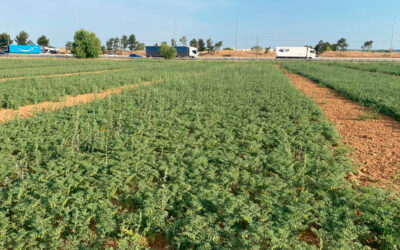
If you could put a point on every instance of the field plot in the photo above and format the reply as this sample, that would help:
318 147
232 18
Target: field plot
53 67
19 92
380 67
217 155
379 91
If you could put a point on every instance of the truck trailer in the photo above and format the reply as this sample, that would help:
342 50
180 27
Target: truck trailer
24 49
295 52
181 51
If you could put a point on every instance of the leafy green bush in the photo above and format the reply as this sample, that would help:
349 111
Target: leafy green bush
86 45
167 51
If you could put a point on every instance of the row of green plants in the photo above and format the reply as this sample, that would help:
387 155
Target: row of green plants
19 63
62 69
19 92
379 67
232 158
379 91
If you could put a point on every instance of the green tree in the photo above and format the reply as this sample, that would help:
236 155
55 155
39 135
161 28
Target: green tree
193 43
124 41
140 46
166 51
132 43
173 42
103 49
342 44
116 44
201 45
22 38
86 44
110 44
367 45
257 48
68 45
210 45
43 41
183 40
5 40
218 45
324 46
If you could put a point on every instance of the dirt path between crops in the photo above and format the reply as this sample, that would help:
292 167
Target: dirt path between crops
63 74
376 142
7 115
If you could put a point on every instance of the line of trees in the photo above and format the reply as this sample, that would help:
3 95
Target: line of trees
22 39
340 45
116 43
209 45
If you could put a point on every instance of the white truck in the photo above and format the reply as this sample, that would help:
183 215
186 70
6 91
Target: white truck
295 52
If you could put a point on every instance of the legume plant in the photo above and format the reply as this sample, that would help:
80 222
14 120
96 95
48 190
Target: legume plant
379 91
230 157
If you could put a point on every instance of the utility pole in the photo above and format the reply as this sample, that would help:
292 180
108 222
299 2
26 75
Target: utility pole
236 37
173 32
257 48
391 43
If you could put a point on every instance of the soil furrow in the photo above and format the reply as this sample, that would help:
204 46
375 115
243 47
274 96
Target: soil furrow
374 138
7 115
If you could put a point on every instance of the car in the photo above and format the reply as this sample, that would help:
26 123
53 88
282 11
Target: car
227 55
3 53
135 56
112 55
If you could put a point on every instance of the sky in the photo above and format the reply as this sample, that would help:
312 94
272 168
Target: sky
271 22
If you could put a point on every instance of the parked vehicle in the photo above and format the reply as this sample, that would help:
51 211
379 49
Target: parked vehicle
112 55
135 56
24 49
51 50
2 53
295 52
181 51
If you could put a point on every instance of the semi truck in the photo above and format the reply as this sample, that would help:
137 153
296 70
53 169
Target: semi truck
181 51
24 49
295 52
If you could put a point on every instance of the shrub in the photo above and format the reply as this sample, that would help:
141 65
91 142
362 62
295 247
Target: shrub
86 44
167 51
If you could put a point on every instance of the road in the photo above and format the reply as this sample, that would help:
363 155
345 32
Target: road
217 58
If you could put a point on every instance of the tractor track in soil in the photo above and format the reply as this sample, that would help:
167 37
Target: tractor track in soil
375 142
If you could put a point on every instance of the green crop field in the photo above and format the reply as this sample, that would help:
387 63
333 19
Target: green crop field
379 91
210 155
380 67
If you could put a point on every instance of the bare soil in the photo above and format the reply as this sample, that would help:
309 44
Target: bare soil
359 54
376 142
7 115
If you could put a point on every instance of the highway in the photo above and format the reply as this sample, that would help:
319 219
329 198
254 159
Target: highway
345 59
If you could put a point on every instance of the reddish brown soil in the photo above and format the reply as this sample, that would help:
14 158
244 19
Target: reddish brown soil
359 54
7 115
376 142
63 74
